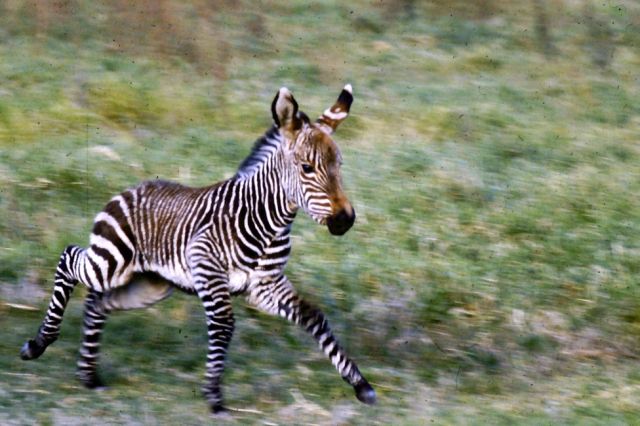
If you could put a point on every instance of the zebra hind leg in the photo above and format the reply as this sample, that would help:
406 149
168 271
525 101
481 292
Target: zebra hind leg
142 291
94 320
64 283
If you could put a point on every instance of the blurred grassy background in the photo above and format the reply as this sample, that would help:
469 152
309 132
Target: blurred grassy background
492 155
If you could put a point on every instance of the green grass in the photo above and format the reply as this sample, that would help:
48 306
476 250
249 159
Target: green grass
491 277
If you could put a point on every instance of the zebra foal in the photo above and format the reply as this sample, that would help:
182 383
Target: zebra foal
231 238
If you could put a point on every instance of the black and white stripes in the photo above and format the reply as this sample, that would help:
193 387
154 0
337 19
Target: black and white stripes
227 239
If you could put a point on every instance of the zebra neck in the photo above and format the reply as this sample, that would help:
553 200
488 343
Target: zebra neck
266 195
262 175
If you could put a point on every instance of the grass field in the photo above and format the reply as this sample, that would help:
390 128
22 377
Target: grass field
491 154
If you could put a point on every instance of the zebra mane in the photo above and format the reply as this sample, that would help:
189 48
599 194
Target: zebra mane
261 151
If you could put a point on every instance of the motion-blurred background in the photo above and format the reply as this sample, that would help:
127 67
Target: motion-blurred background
492 156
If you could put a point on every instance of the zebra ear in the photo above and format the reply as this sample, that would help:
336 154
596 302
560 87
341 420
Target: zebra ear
332 117
284 109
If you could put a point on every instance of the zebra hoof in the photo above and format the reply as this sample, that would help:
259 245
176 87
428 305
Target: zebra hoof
31 350
219 412
365 393
93 383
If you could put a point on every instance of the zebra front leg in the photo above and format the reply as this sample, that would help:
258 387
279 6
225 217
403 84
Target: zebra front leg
213 291
278 297
64 283
142 291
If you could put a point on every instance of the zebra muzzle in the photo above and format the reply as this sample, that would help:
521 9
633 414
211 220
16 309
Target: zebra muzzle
341 222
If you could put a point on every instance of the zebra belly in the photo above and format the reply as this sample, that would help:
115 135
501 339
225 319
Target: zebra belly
240 280
176 276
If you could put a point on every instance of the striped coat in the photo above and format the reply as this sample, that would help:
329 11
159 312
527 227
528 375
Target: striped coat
231 238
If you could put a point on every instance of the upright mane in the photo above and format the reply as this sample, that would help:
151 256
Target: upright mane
261 151
264 148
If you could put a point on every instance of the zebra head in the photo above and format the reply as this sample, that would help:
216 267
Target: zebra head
312 180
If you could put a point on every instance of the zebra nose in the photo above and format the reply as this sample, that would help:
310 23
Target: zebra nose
341 222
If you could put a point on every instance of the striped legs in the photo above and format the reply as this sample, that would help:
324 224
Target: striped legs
278 297
64 283
143 291
213 290
93 322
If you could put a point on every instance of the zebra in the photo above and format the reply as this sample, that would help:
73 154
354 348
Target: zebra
224 240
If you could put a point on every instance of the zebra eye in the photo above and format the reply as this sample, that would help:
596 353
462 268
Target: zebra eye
307 168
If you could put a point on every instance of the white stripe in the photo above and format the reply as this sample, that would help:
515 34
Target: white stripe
335 115
110 220
110 247
102 264
123 205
